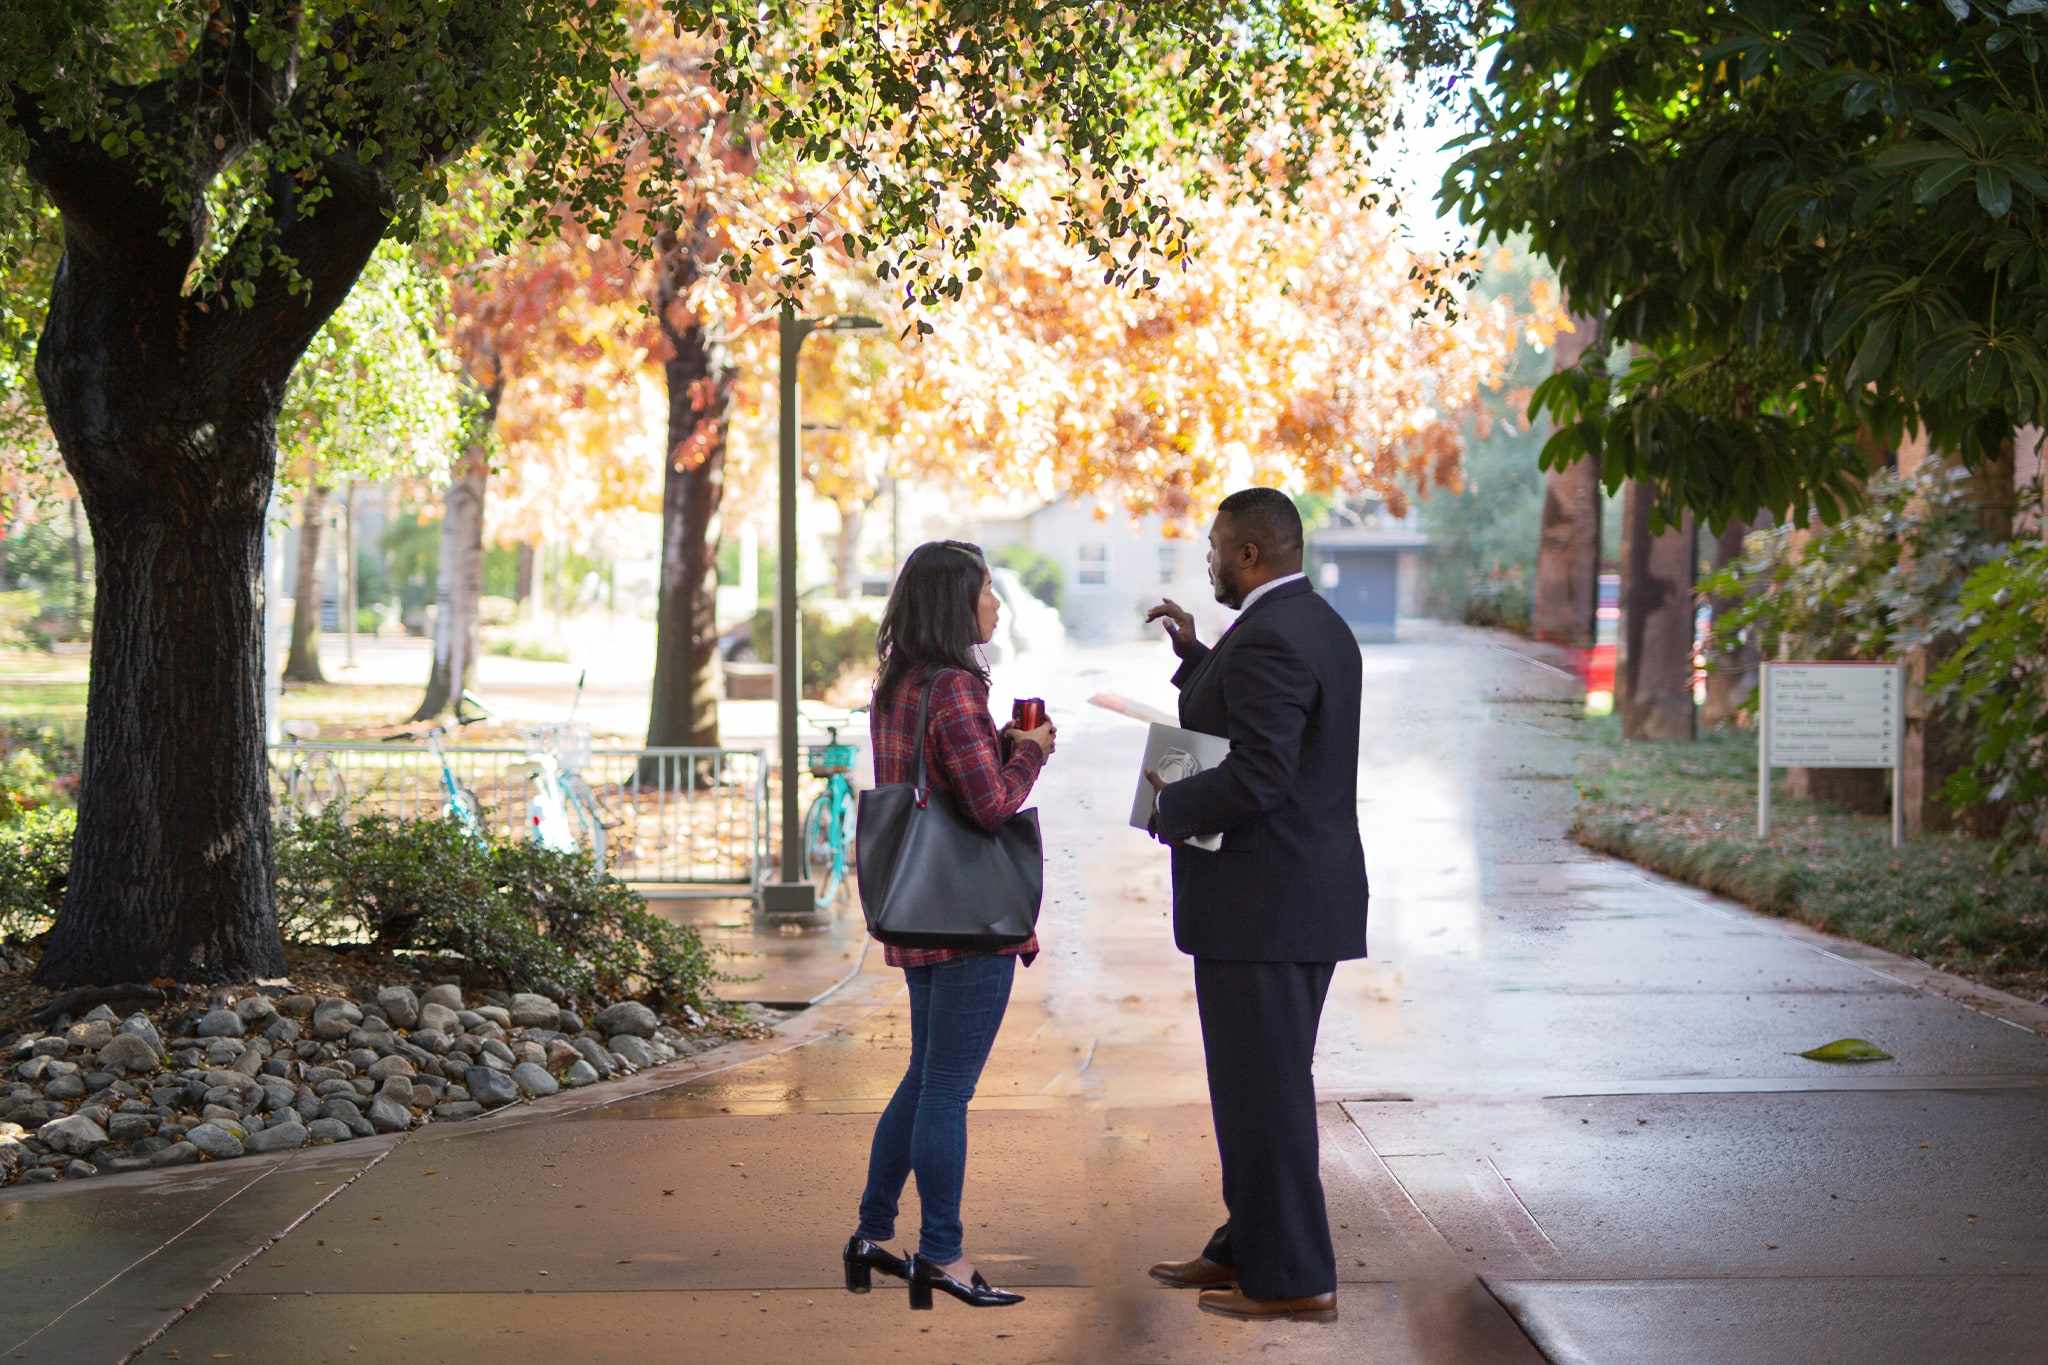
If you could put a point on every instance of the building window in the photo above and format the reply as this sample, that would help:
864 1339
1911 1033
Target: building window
1169 563
1093 568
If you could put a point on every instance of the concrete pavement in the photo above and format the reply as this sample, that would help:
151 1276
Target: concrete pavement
1563 1118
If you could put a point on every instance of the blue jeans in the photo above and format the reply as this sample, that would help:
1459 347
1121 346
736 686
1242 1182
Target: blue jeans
955 1009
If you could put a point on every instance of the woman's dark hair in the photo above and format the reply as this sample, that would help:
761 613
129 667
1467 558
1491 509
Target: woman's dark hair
933 615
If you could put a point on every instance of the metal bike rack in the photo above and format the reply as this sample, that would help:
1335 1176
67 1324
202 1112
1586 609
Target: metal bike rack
692 822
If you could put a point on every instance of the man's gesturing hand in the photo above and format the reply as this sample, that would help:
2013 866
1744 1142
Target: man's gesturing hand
1180 627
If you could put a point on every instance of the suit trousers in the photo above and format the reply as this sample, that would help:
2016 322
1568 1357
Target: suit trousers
1259 1035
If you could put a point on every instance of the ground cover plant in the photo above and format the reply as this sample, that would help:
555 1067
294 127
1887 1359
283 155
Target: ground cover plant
1689 811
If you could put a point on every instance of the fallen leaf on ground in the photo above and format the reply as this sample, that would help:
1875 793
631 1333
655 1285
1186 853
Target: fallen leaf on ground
1847 1050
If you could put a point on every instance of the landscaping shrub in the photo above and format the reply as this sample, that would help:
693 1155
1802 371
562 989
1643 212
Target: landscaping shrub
518 912
1502 602
38 768
1916 569
17 611
1996 683
35 859
1875 585
1039 572
838 638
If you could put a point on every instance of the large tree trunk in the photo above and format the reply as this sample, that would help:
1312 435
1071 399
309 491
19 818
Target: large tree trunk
1568 556
165 410
163 395
846 549
171 866
302 663
1567 589
460 576
1655 696
1936 747
171 441
684 711
1732 677
522 577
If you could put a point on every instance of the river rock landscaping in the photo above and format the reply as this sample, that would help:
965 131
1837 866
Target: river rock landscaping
270 1068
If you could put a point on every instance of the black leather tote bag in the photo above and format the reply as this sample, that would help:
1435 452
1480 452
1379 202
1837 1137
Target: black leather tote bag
932 878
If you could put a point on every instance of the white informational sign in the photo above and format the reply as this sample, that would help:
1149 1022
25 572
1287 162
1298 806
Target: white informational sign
1831 715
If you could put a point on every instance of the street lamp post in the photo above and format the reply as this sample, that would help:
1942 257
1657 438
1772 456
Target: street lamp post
793 895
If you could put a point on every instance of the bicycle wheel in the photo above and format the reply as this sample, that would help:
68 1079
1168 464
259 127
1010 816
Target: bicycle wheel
818 849
842 862
584 818
316 787
468 812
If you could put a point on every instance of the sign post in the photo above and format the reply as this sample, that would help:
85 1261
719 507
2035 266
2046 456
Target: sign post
1831 715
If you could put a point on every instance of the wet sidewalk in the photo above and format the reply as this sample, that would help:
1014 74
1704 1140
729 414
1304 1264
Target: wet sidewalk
1563 1118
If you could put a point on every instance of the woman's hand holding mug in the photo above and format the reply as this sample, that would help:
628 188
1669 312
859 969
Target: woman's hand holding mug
1045 737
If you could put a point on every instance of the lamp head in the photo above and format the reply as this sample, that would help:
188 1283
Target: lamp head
850 322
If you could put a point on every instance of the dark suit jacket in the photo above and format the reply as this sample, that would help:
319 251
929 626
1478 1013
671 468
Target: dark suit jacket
1288 885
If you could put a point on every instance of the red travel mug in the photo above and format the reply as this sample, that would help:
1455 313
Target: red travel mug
1028 713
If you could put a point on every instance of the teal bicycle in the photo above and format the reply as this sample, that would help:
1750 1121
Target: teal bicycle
458 801
828 824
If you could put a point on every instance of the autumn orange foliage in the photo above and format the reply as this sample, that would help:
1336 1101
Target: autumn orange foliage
1300 353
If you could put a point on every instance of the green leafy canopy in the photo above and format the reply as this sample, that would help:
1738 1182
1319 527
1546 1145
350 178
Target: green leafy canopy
1811 229
291 104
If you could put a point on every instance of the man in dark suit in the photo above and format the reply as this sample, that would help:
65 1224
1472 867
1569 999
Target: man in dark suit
1269 915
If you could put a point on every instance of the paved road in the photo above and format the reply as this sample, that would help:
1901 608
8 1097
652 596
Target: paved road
1563 1118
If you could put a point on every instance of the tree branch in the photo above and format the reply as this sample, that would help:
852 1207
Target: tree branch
312 253
235 97
311 260
108 205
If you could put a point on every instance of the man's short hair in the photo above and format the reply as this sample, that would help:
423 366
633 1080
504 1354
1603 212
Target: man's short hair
1266 517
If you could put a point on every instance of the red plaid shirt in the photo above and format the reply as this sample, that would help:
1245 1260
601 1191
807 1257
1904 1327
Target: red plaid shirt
963 758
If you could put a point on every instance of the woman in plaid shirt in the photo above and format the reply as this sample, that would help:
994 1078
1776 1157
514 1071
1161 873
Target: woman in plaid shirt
943 609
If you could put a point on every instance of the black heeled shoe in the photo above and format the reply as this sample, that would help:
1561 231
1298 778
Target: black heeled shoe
925 1276
863 1257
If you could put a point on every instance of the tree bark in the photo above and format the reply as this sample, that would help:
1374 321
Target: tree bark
846 548
171 867
165 409
1567 589
1936 748
1655 695
173 454
1733 676
302 663
1568 556
460 576
522 578
684 709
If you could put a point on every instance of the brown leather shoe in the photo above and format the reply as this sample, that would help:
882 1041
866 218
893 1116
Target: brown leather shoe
1230 1303
1200 1273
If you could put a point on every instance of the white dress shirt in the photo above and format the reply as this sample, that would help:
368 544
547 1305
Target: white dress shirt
1256 593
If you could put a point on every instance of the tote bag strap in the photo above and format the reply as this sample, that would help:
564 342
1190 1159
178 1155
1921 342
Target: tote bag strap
921 783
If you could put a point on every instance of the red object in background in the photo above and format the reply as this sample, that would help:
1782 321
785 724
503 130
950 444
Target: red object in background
1028 713
1596 668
